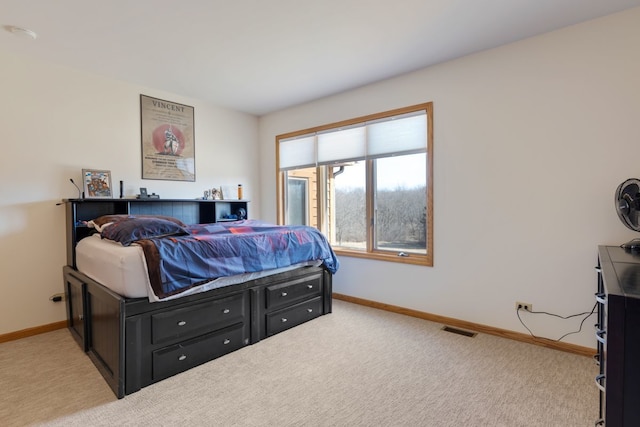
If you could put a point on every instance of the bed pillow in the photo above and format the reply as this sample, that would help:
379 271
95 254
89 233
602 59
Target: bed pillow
129 230
104 221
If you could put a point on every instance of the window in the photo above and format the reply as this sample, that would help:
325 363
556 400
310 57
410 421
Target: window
297 206
366 183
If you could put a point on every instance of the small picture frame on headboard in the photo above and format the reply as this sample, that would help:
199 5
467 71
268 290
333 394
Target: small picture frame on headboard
97 184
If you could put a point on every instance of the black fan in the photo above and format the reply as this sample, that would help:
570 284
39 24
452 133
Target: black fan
628 208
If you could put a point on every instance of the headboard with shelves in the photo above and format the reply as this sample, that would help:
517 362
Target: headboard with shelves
79 211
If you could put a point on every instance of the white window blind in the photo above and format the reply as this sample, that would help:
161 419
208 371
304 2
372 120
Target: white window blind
398 135
298 152
342 145
401 134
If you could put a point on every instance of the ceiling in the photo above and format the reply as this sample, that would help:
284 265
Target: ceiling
260 56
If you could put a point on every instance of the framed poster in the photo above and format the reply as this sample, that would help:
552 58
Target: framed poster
96 184
167 138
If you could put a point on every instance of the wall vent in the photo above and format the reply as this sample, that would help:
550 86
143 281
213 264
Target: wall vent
459 331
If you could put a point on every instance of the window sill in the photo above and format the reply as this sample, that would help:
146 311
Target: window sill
414 259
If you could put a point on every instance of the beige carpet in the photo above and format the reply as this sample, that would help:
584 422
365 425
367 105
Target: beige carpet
355 367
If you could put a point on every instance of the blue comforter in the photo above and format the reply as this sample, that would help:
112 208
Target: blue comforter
210 251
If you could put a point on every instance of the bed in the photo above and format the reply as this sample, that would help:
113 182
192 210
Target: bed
142 318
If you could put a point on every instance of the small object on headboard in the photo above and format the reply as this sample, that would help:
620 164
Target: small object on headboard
80 193
143 194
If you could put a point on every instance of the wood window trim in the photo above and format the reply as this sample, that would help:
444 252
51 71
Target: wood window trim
415 259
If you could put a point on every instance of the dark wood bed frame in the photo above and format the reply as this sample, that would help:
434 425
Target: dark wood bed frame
135 343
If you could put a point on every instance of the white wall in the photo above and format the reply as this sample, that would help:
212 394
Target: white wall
531 141
54 121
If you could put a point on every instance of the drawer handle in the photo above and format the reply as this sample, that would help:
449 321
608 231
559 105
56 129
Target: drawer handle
226 311
600 337
182 323
309 286
599 378
284 294
182 357
309 310
226 341
283 320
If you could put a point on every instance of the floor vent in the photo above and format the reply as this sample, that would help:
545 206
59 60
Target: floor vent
459 331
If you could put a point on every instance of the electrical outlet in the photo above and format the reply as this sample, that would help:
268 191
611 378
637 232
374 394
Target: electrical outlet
524 306
58 297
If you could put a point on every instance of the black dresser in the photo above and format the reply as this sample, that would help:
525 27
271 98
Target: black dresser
618 336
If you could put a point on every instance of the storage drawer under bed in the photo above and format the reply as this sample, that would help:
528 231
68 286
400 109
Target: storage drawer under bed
208 316
177 358
281 320
285 294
